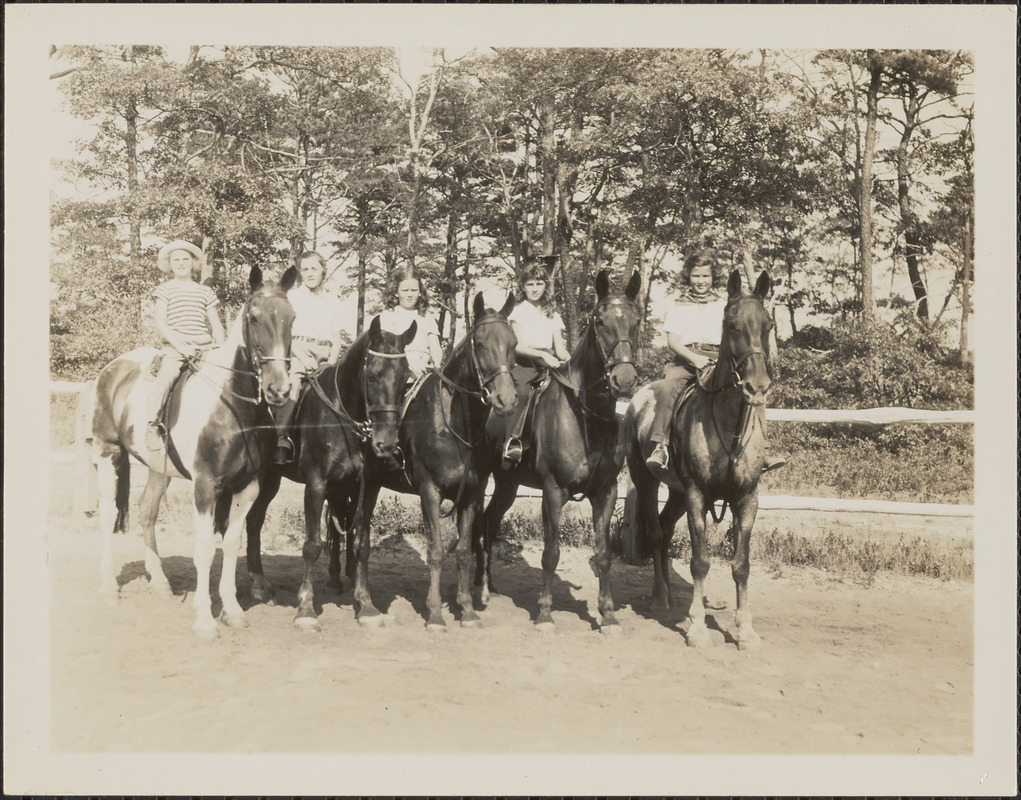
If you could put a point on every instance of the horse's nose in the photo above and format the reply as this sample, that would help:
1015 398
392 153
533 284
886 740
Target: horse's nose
623 379
755 390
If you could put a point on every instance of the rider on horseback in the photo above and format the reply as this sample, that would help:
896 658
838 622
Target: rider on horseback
540 333
187 319
315 340
694 330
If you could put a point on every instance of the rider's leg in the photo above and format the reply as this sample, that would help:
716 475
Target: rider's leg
666 393
170 368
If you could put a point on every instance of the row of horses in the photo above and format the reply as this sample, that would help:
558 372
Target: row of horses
357 436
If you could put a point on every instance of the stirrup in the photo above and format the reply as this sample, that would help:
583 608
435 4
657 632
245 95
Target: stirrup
284 454
659 458
512 452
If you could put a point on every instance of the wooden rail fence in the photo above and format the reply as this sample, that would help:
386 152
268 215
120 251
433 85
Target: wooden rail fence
85 494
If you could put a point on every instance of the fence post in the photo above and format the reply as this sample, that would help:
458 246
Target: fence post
85 496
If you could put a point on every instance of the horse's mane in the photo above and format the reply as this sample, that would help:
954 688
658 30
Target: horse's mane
351 362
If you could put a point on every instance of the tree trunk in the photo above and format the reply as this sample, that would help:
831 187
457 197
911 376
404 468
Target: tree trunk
360 313
865 190
966 292
912 248
548 162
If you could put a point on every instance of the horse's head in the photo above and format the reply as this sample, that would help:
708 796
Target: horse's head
745 344
384 375
491 343
266 333
615 321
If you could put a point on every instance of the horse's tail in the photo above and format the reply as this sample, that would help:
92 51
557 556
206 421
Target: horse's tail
122 489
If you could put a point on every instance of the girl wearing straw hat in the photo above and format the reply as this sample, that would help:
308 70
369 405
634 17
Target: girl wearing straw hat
186 318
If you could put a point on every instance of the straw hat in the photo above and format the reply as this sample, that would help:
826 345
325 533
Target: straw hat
163 260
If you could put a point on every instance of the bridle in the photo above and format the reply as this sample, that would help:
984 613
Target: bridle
607 356
256 357
377 408
484 393
735 362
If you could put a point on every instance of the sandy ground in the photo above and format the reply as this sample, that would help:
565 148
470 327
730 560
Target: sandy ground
843 668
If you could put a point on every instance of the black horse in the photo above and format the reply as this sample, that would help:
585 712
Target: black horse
443 436
351 413
573 446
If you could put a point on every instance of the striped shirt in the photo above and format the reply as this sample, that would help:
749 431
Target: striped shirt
188 304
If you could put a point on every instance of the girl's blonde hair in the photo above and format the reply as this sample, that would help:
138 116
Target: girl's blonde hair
537 272
399 275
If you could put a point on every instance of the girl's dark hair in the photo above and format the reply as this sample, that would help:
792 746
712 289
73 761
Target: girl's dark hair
311 254
705 257
538 272
397 277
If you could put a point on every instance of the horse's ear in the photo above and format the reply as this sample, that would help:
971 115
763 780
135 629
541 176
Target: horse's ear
602 284
763 284
287 281
479 306
408 336
734 284
633 285
508 306
255 278
375 331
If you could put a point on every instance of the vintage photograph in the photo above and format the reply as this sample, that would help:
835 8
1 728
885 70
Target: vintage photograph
412 398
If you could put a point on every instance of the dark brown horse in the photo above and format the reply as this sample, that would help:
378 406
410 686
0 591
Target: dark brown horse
351 411
220 434
573 446
447 458
717 445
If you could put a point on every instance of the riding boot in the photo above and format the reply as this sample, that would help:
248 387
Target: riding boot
667 394
284 453
514 448
156 431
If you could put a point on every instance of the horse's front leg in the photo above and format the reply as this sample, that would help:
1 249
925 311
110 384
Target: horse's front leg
261 589
666 521
744 518
430 494
315 495
466 516
553 499
602 510
487 528
232 614
358 553
205 505
698 633
149 507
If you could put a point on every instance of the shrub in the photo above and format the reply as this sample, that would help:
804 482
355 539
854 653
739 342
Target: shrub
872 365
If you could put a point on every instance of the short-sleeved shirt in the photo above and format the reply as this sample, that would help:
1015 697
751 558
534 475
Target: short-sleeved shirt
697 322
188 305
534 328
397 320
316 316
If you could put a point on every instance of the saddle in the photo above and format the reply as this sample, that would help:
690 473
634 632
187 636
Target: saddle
530 388
702 378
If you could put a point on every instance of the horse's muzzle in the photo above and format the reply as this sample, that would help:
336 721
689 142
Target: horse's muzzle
755 392
623 379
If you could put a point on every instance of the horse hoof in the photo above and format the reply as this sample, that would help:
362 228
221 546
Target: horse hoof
207 631
545 627
472 622
162 590
436 627
307 624
699 639
371 620
234 620
263 593
335 586
611 629
714 605
659 605
749 642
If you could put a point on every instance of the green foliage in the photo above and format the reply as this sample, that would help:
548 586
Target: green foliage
873 366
